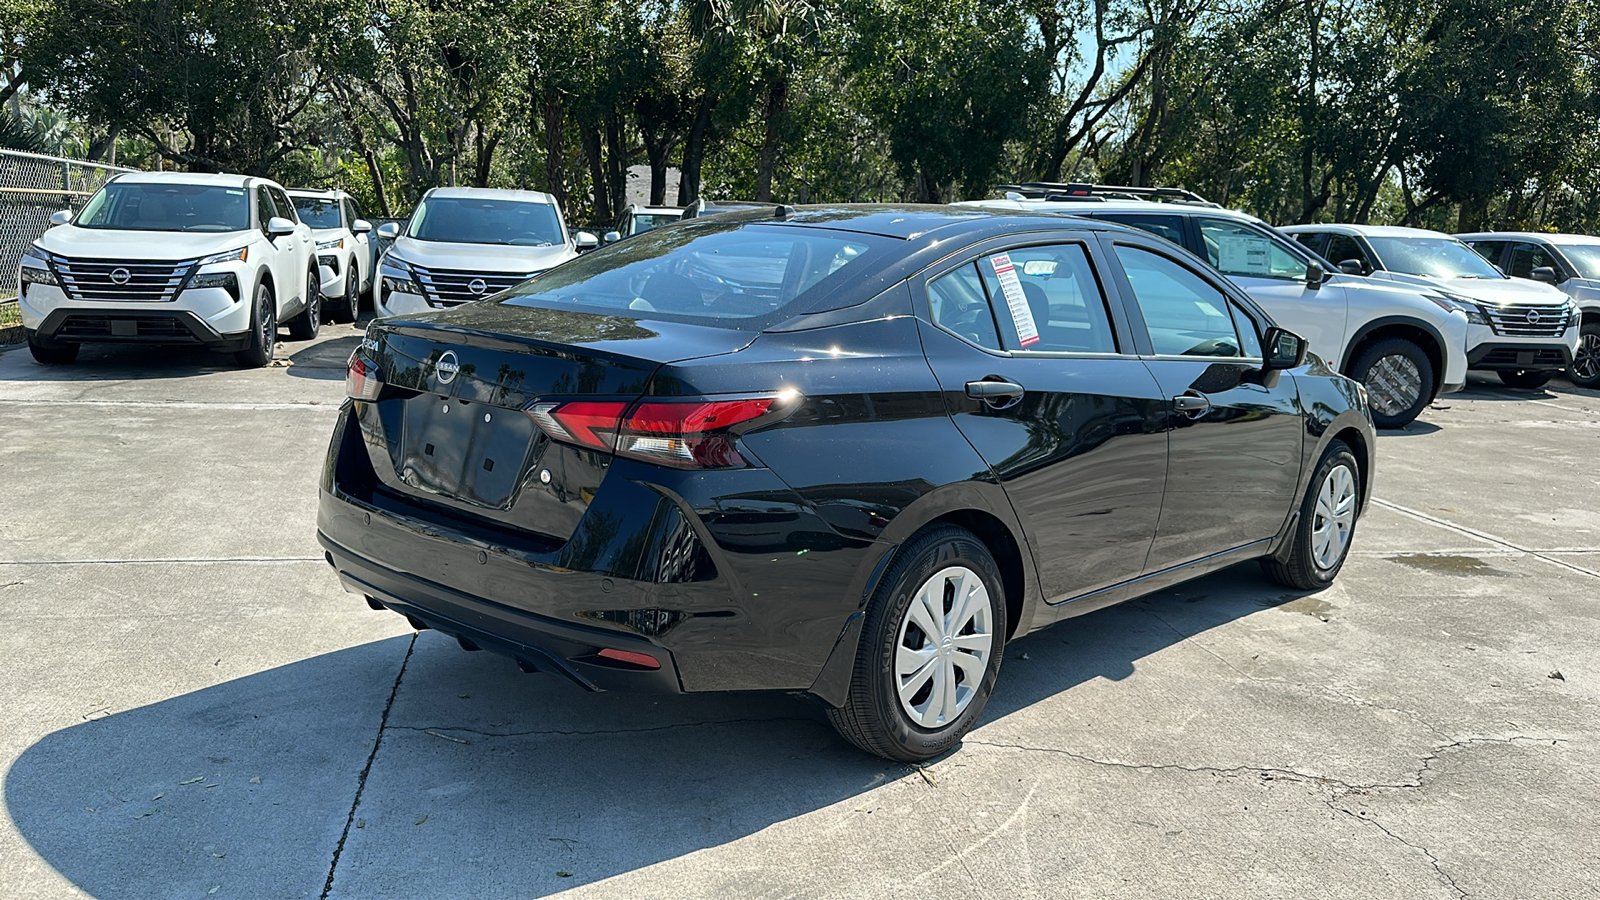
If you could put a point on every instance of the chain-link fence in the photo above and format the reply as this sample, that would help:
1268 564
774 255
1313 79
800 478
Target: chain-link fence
31 188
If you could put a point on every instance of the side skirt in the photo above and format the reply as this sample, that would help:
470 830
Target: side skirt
1165 578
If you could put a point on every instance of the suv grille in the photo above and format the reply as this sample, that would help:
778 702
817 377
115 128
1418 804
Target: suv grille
86 327
450 287
1511 357
101 279
1528 321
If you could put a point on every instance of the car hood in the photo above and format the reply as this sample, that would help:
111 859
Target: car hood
328 234
1584 290
174 246
480 257
1494 291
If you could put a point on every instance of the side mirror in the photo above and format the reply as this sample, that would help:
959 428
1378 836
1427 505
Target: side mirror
61 217
278 226
1544 274
1315 275
613 236
1282 349
585 241
360 226
1352 267
389 231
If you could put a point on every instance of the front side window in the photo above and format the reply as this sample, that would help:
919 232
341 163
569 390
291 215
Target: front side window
125 206
285 208
264 208
1237 249
479 220
1526 257
1048 299
318 212
1431 257
732 274
1183 313
1343 247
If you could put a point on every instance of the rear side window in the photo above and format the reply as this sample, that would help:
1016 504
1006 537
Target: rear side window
1169 227
1184 314
736 274
1312 240
959 303
1237 249
1048 299
1489 250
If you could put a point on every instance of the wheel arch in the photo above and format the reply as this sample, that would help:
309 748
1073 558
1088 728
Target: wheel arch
1416 331
1361 449
1007 553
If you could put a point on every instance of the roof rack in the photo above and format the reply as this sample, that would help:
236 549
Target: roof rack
1097 193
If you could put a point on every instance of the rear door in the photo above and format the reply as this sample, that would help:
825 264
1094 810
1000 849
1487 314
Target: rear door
1234 447
1038 373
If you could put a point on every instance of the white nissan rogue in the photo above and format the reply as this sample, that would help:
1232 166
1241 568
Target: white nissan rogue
465 244
172 258
344 249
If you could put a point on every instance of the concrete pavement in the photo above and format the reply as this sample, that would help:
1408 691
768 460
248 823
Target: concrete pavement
193 708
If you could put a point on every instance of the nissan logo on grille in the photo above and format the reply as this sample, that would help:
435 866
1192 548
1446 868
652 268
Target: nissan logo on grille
447 367
120 276
477 286
1533 317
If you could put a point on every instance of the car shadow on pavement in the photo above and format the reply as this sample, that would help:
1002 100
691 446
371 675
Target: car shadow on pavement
121 362
485 777
325 360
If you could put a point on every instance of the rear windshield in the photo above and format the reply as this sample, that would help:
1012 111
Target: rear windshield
477 220
733 274
122 206
318 212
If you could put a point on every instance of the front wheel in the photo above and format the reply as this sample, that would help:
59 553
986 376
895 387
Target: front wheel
1399 379
1327 523
304 327
930 648
1525 378
1585 369
263 330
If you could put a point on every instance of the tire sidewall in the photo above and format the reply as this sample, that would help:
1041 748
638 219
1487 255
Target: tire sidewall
952 547
1338 453
1586 330
1397 347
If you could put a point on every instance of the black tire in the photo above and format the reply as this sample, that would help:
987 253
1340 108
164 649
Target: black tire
1585 368
1525 378
874 717
1302 568
263 330
51 354
305 326
1383 368
347 307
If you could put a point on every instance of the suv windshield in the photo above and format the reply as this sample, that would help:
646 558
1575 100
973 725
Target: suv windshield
1431 257
737 274
474 220
1584 257
124 206
318 212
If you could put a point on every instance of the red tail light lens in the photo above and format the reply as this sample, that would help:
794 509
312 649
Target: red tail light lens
695 434
362 379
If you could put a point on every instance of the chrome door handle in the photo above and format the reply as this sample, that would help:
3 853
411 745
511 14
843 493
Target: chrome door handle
1191 403
994 390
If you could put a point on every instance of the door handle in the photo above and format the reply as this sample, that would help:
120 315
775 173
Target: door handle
1191 403
998 394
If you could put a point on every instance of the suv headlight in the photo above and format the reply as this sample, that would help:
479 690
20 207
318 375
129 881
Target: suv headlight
335 244
1574 314
239 255
34 251
397 277
1448 301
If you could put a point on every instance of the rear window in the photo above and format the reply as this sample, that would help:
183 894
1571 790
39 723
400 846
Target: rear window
733 274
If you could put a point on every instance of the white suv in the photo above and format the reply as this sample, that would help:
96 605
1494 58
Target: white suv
1521 330
465 244
172 258
1404 344
344 249
1574 264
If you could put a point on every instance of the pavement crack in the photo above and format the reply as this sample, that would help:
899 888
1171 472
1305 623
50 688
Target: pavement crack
1433 861
580 732
361 781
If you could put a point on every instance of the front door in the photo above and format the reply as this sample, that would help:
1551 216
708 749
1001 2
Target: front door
1236 438
1038 373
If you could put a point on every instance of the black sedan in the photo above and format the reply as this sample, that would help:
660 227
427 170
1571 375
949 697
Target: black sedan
847 451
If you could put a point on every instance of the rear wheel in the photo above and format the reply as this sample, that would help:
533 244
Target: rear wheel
51 354
930 648
1326 525
263 330
304 327
1399 379
1525 378
1585 369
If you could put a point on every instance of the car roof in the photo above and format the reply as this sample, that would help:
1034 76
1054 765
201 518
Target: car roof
910 221
314 192
218 179
658 210
1394 231
1530 236
492 194
1094 207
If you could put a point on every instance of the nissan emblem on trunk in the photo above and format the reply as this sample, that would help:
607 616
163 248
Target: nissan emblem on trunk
120 276
477 286
447 367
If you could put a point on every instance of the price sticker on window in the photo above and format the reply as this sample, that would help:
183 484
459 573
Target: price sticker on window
1016 299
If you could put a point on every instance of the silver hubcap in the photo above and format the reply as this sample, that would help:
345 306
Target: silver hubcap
1393 384
944 647
1334 517
1586 362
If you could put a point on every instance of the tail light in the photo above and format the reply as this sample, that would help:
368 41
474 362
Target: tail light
362 379
692 434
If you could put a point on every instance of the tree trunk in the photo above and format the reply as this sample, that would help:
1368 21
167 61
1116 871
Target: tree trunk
656 154
104 146
694 151
590 135
616 161
555 147
777 102
485 157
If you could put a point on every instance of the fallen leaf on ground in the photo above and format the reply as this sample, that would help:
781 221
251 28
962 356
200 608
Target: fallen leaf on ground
1557 675
256 780
421 819
361 823
563 874
195 780
157 797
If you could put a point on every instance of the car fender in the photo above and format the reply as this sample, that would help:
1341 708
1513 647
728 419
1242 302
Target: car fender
1383 321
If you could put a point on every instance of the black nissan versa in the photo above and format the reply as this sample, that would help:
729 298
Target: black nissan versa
848 451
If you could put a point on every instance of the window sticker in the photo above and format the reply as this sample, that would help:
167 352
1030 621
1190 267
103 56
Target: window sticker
1244 255
1016 300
